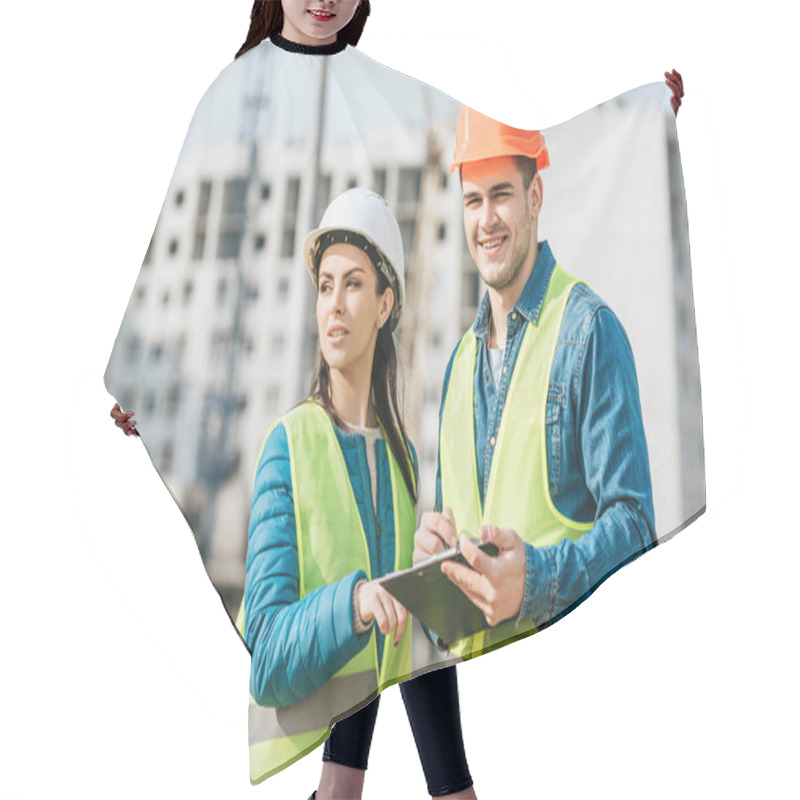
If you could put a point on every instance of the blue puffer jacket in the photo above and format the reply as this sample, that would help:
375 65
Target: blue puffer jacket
298 645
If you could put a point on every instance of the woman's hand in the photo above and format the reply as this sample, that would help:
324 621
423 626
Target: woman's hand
374 602
675 82
124 420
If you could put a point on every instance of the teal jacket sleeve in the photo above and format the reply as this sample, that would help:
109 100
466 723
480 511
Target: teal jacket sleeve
297 645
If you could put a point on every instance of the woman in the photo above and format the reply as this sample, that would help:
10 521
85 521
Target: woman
335 474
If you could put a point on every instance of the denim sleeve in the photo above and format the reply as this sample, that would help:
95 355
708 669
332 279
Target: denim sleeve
296 645
613 450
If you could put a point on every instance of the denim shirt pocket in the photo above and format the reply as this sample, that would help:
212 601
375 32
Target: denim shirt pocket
554 413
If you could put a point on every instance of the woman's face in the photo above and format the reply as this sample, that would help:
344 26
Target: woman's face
316 22
350 311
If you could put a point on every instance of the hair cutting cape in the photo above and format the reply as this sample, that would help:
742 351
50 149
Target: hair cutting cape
219 341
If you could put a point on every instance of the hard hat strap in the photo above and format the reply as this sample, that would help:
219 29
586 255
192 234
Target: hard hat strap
362 243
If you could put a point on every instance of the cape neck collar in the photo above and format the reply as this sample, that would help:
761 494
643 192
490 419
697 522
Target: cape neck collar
308 49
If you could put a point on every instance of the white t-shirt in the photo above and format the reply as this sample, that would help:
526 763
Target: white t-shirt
496 363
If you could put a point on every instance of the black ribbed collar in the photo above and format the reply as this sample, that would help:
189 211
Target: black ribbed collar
308 49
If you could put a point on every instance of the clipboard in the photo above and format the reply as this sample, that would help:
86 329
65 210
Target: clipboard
428 594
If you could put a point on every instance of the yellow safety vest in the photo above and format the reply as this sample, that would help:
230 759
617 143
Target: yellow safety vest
330 545
518 492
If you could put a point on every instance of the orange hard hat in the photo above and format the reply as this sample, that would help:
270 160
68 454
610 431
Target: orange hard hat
479 137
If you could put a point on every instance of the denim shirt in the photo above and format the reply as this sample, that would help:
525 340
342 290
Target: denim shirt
597 464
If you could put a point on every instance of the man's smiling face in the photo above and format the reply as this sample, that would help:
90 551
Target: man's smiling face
499 218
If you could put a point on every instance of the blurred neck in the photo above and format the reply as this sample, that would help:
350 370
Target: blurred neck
502 301
351 395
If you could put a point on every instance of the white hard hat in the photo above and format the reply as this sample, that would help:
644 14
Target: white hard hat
364 213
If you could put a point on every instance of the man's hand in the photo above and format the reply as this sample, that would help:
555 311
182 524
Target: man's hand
495 584
437 533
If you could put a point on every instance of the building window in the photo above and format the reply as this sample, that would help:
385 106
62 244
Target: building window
232 221
179 198
292 196
265 191
173 399
219 344
165 298
140 294
222 291
472 288
149 403
379 181
442 232
156 351
409 184
283 289
179 349
352 183
201 221
287 242
188 290
260 241
407 228
173 247
234 196
323 197
445 179
204 202
230 243
290 217
199 245
133 349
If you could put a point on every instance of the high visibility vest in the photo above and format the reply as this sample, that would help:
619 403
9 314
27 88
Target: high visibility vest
518 492
330 545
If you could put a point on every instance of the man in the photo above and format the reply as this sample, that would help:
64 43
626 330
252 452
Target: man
541 442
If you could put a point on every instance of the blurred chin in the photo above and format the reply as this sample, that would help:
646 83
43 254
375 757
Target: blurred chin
334 359
491 273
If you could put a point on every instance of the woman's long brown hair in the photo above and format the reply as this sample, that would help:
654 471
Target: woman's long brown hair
384 396
266 19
